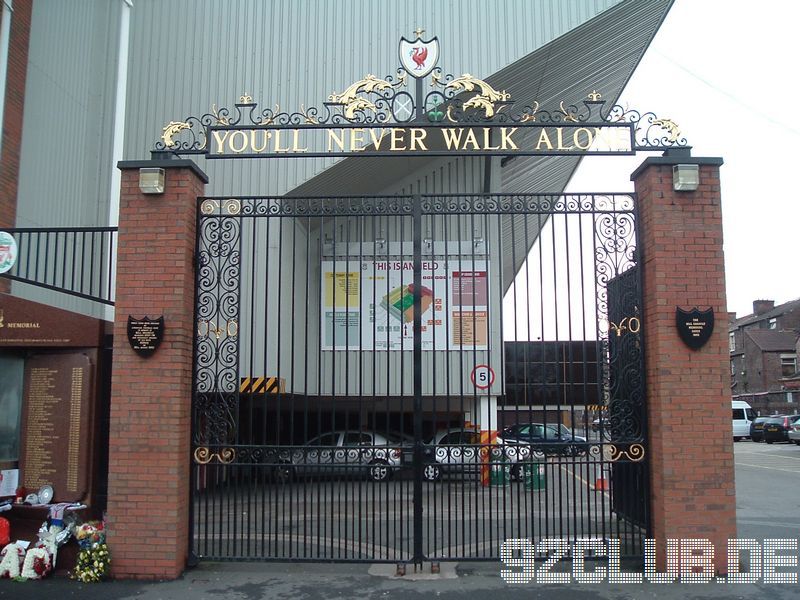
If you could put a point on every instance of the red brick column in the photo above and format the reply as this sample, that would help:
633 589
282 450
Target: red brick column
148 478
688 391
12 117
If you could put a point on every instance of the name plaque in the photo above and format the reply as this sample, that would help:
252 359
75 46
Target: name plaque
56 419
145 334
695 326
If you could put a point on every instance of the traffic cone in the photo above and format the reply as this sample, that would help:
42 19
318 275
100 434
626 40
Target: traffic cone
600 482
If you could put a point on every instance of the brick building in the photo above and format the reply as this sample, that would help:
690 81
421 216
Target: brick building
763 354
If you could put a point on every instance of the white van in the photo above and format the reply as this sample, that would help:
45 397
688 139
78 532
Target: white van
743 415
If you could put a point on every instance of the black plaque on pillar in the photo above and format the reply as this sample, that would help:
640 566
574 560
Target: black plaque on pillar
695 326
145 334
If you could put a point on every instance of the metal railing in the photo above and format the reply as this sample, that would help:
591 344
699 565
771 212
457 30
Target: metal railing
79 261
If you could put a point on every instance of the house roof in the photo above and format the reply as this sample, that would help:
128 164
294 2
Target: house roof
771 340
779 310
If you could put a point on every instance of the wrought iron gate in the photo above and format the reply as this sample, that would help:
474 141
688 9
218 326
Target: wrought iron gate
415 378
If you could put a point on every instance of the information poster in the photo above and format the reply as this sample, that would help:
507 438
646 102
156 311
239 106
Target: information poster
368 305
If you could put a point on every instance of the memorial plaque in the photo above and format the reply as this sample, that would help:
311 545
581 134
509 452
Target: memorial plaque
695 326
145 334
57 424
29 324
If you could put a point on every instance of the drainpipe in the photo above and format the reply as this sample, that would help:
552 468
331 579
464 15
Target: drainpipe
121 92
5 41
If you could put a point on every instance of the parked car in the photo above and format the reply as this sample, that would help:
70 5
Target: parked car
600 422
757 429
458 451
344 453
550 439
794 432
776 429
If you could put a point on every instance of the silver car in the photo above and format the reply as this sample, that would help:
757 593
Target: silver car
459 451
343 453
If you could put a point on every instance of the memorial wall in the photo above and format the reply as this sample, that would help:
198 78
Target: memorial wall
61 403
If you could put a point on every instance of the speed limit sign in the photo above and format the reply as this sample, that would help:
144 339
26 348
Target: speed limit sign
482 377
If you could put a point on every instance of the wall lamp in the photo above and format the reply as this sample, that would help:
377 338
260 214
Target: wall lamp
151 180
685 178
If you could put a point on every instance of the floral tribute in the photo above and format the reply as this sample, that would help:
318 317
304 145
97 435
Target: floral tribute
11 559
37 563
94 560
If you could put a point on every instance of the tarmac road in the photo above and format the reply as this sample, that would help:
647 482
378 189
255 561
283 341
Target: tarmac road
768 498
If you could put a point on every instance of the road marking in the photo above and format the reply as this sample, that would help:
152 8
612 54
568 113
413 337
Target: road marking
764 467
566 468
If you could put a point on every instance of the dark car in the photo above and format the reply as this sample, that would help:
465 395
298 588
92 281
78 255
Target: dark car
776 429
757 429
550 439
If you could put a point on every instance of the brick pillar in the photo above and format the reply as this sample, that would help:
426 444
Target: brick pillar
12 117
148 470
688 391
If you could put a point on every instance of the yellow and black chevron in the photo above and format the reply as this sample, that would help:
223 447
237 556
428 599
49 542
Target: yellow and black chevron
262 385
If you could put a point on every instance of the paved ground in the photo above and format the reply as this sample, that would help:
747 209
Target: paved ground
768 488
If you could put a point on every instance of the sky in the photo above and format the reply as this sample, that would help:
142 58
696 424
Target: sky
726 72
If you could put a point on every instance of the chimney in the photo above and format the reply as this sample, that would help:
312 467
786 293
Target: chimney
762 306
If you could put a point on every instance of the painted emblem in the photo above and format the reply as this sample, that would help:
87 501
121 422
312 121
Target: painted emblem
695 326
8 251
145 334
419 57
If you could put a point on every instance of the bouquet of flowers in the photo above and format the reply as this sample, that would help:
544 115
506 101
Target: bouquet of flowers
93 563
94 559
90 533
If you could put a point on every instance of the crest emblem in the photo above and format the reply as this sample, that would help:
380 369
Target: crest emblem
695 326
419 57
8 251
145 334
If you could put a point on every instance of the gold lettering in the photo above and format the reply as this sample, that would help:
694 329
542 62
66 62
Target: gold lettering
278 142
296 142
357 136
589 138
418 137
487 140
471 139
253 145
559 134
544 139
220 139
233 137
332 137
452 137
377 139
395 140
506 143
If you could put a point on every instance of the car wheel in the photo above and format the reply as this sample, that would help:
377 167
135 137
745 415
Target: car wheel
797 442
736 439
768 441
431 472
379 470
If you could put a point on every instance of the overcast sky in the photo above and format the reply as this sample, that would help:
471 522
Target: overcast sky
727 73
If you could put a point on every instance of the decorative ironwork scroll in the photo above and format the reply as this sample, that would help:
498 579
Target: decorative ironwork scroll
399 114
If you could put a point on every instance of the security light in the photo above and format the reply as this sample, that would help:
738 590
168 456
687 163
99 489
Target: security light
151 180
685 178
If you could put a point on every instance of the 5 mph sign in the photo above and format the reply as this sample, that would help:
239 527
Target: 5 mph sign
482 377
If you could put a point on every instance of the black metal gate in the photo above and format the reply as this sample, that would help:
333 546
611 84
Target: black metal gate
415 378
